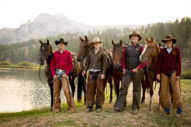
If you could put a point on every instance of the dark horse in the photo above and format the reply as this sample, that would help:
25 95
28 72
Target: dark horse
46 53
150 56
84 48
117 52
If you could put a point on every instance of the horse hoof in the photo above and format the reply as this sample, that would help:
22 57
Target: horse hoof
142 102
79 100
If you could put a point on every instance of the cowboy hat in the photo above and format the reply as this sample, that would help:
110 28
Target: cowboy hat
61 41
169 38
134 33
96 40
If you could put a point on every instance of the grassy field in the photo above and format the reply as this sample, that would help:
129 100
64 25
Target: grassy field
107 118
21 65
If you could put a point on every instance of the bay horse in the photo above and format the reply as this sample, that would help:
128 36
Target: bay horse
84 49
117 52
46 52
150 56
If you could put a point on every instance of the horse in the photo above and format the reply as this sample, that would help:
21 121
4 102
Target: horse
117 52
84 48
46 53
150 56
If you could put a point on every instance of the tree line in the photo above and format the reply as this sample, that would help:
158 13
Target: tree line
29 50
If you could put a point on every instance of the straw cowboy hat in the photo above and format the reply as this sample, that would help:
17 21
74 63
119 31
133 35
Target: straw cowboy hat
169 38
134 33
61 41
96 40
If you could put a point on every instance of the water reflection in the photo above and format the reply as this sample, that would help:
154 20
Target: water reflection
22 90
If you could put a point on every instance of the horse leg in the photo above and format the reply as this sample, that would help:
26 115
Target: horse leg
151 94
51 95
111 88
144 89
80 85
116 81
72 85
84 88
159 98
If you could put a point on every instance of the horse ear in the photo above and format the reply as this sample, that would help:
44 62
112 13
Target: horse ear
81 39
113 42
121 42
86 38
146 39
40 41
48 42
152 38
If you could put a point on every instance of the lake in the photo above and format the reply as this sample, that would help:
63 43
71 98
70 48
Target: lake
21 89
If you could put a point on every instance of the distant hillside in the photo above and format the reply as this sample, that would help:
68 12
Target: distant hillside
48 25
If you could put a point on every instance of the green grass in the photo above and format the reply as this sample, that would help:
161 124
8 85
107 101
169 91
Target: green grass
169 121
186 75
107 118
5 63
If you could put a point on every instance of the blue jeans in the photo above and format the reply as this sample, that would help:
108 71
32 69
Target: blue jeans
130 73
59 74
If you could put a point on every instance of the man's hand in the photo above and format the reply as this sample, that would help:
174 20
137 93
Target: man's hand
124 71
83 73
177 77
64 76
158 76
55 77
102 76
135 70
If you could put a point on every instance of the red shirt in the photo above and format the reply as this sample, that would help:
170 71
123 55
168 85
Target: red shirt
140 66
61 61
169 62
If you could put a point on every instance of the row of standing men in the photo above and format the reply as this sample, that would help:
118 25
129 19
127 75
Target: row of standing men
169 70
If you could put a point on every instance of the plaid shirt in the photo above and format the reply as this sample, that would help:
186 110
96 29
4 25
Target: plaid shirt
169 62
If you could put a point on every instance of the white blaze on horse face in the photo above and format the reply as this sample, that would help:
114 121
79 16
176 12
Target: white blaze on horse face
145 47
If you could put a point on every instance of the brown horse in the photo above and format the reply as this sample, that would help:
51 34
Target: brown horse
84 48
117 52
74 73
46 53
150 56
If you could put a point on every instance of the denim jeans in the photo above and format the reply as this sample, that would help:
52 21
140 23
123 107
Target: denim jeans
59 74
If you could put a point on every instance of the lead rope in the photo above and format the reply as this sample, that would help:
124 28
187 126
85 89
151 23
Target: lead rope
41 79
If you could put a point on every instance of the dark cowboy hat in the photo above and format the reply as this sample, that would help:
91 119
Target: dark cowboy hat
61 41
134 33
169 38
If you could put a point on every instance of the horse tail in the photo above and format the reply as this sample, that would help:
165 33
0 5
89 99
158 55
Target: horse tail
79 88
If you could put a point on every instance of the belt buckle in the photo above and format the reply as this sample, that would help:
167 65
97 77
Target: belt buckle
59 70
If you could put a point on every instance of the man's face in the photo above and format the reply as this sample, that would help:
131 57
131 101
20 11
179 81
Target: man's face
97 45
61 46
169 44
134 40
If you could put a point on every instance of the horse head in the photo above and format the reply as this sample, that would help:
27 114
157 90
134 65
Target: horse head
151 50
84 48
117 52
45 51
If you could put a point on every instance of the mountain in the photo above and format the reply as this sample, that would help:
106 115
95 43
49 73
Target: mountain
47 25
